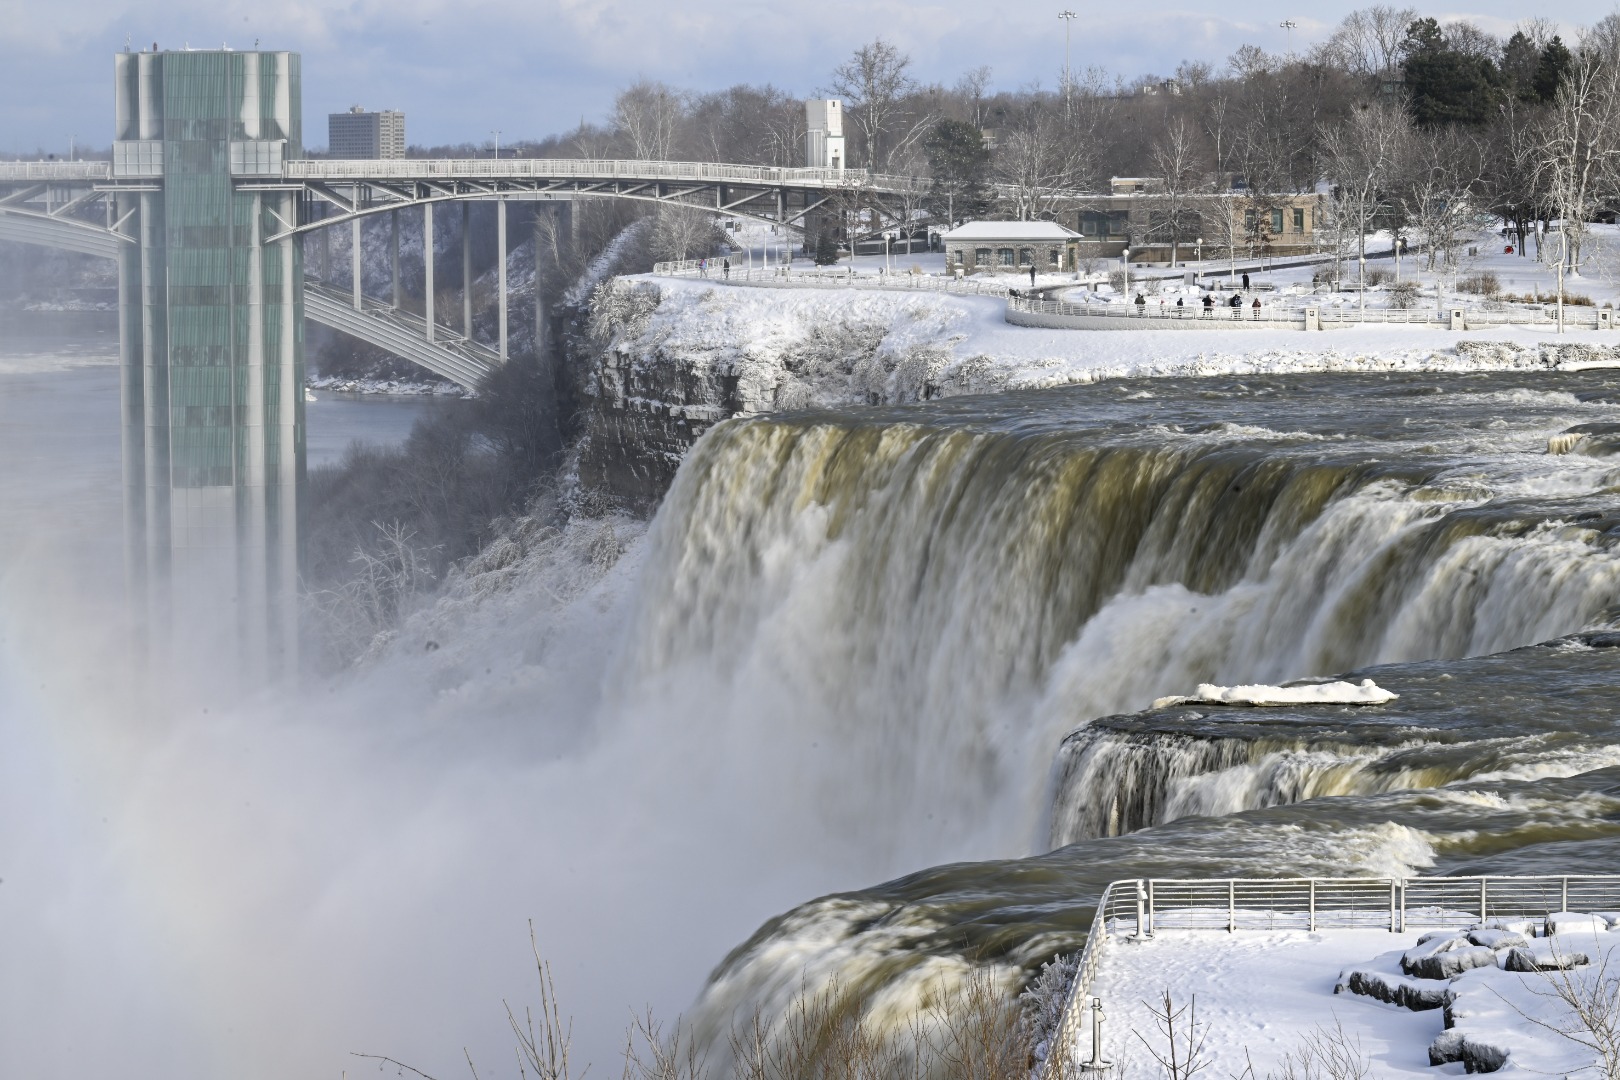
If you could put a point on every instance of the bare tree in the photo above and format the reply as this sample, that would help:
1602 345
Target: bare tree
971 89
1362 156
1177 1044
878 94
1579 159
1179 165
683 232
646 117
1036 163
1439 178
1368 42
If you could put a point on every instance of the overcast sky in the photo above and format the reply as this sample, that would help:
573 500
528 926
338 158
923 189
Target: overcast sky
460 69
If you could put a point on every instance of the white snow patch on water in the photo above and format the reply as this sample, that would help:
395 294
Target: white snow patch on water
1365 692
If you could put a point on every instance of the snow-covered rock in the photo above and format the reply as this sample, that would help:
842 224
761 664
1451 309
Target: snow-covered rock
1444 957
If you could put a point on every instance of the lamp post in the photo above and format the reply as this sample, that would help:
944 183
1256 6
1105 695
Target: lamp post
1125 258
497 134
1068 18
1287 26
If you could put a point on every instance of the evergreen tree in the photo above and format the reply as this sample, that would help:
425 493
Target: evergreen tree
1519 60
1552 67
960 165
1445 85
826 248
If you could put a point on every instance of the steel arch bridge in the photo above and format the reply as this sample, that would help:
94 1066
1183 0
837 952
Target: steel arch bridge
73 206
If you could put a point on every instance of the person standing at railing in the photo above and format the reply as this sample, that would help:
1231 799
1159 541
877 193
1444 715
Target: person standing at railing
1209 305
725 269
1141 304
1236 304
1181 303
1032 275
1257 309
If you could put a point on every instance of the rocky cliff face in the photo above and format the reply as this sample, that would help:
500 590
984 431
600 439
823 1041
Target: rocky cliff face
656 364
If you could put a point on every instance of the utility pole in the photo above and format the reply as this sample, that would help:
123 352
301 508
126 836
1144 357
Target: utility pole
1068 18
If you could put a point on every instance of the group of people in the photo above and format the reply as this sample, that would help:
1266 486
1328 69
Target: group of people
725 267
1235 303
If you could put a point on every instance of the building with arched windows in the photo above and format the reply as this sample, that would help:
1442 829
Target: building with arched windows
1010 247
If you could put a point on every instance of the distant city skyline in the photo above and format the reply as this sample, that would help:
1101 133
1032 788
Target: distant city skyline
460 70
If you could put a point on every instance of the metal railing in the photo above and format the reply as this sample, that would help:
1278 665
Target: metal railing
1276 315
55 170
1267 315
598 168
1141 906
786 277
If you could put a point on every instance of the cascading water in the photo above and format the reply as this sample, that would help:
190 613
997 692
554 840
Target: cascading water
935 598
929 599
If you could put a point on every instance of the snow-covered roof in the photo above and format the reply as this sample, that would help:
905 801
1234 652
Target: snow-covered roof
1011 230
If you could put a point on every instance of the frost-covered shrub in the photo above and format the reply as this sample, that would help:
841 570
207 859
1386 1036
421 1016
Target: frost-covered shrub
1403 295
1482 284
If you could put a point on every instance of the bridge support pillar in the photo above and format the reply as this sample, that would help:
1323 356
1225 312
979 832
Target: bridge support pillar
393 255
427 267
500 261
354 260
466 270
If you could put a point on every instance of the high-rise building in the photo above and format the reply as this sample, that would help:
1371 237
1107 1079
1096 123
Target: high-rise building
361 134
824 137
212 347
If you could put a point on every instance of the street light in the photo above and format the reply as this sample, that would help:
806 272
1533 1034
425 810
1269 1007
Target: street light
1125 257
1068 18
497 134
1288 25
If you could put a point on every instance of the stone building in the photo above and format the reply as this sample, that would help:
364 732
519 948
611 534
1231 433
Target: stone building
1010 247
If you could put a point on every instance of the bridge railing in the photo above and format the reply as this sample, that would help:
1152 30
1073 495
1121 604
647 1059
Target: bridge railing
1140 906
55 170
598 168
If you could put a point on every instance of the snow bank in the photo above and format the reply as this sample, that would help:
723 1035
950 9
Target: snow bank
1330 693
829 346
1262 995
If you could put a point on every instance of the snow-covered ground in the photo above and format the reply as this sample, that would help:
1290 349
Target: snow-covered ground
963 344
1260 995
1516 273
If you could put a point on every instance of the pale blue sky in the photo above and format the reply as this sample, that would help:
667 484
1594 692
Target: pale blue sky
532 67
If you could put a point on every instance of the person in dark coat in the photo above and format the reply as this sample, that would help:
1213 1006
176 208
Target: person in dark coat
1181 302
1141 304
1257 309
1236 304
1209 305
1032 275
725 269
1245 282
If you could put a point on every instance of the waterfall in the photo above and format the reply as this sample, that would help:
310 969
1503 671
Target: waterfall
934 607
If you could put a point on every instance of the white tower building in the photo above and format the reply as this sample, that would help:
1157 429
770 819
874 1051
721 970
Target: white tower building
824 141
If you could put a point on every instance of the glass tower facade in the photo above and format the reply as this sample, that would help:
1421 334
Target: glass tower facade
212 349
